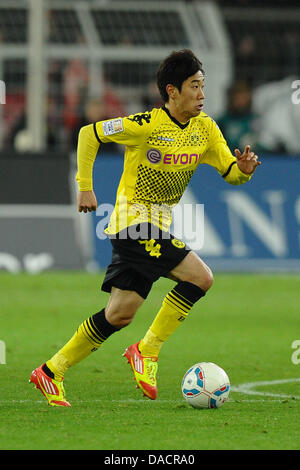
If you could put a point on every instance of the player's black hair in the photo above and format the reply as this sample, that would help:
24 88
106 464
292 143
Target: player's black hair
175 69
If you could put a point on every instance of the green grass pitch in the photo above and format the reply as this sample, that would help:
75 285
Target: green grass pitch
246 324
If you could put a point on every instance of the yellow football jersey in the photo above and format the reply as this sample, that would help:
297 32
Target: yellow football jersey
161 156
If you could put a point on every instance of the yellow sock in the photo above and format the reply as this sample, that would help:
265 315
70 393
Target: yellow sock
174 310
78 348
150 345
88 338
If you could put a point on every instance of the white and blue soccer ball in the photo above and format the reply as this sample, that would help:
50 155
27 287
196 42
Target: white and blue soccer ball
205 385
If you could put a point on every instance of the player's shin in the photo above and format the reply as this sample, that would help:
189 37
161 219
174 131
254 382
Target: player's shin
88 338
173 312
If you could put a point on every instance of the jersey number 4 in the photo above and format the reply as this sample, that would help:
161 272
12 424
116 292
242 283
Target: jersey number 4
151 247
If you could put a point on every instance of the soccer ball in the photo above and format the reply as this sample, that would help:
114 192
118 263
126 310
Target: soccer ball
205 385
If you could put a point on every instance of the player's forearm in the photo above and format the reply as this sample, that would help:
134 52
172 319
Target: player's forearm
221 158
235 175
87 150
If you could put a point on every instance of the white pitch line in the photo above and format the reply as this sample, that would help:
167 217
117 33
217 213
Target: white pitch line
250 388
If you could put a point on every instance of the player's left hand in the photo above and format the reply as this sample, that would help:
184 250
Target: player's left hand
247 161
87 201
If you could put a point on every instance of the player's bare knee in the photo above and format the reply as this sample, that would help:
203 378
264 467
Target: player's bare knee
119 317
203 279
208 280
121 322
122 308
121 314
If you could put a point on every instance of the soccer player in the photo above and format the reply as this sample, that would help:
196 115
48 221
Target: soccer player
163 148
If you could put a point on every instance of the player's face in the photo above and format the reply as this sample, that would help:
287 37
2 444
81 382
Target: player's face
191 97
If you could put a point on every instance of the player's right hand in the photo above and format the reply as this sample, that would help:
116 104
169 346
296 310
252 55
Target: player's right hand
87 201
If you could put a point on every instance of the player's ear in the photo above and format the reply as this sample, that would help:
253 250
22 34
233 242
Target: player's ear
171 90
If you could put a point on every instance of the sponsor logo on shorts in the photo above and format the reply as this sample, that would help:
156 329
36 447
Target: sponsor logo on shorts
178 243
154 156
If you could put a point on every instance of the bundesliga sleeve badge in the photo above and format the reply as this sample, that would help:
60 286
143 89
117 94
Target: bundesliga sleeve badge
114 126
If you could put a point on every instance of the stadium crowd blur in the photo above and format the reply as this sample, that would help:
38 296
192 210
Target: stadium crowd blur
259 107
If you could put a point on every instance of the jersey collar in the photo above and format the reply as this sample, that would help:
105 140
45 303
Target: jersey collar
182 126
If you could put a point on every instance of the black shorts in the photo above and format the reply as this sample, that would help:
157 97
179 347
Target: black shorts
137 263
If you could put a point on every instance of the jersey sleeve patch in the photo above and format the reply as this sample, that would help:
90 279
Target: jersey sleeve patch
113 126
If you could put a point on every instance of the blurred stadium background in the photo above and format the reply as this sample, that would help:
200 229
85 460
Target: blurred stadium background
66 63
